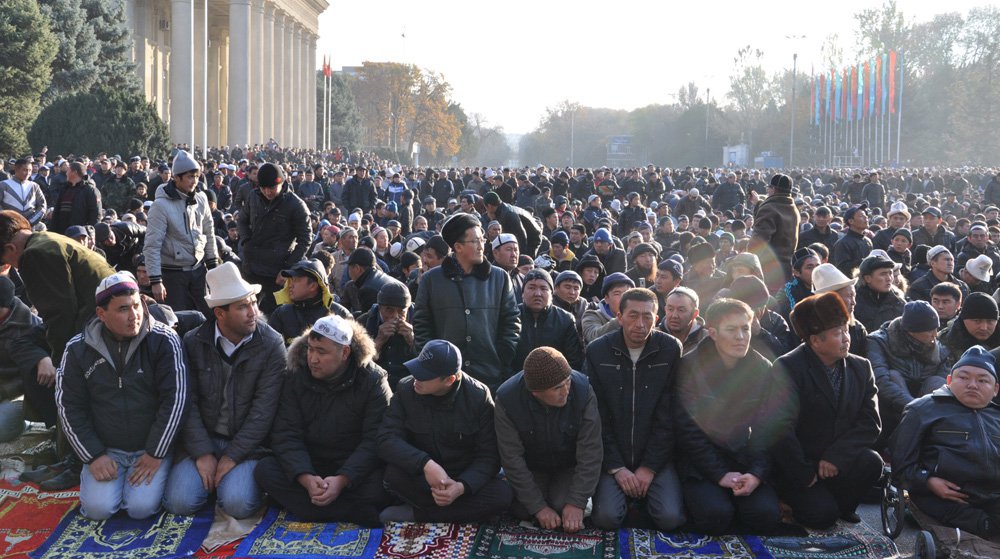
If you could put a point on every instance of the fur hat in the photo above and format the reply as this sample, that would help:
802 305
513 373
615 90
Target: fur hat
456 226
818 313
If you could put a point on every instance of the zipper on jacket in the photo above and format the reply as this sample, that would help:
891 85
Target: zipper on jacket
634 381
964 434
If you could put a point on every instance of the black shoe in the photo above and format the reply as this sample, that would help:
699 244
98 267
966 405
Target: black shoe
43 473
851 517
66 480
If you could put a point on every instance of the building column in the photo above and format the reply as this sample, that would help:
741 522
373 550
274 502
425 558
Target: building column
224 138
300 89
267 69
239 71
199 72
277 79
181 72
213 88
256 70
288 126
311 98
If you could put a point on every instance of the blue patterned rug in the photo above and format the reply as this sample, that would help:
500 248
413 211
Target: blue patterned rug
651 544
165 536
280 536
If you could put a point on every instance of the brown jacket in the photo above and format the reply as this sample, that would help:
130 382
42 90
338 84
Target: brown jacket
776 224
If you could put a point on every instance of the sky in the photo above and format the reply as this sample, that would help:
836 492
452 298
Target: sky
509 60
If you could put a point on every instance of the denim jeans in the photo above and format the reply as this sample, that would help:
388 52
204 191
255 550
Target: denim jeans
99 500
238 494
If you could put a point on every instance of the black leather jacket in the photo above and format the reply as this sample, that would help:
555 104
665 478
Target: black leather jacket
941 437
553 327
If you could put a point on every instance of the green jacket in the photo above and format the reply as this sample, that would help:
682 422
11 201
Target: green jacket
61 277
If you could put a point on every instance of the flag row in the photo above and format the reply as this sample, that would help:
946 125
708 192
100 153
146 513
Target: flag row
866 90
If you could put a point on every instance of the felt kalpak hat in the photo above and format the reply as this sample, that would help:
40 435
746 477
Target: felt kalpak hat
225 285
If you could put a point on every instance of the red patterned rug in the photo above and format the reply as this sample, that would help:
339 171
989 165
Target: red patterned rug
28 516
410 540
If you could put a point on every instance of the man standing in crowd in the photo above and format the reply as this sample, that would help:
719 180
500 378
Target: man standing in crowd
878 300
121 392
22 195
549 437
854 246
470 303
274 233
325 467
826 464
237 363
632 371
439 443
78 201
180 239
776 226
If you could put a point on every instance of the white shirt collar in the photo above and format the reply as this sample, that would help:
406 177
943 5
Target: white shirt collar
228 347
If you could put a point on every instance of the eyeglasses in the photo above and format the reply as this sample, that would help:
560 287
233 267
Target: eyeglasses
477 241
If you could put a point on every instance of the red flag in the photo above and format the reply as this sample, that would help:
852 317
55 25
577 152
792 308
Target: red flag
892 82
812 101
869 86
843 110
878 82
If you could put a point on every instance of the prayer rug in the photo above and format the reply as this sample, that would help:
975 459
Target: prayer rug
650 544
508 539
161 537
415 540
844 540
280 536
28 516
221 552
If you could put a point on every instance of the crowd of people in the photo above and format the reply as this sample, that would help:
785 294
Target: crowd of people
359 340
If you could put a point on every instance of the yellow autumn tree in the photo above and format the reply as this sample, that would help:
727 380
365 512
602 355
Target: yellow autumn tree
401 104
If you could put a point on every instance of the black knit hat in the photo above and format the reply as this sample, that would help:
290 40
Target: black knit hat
979 305
269 175
544 368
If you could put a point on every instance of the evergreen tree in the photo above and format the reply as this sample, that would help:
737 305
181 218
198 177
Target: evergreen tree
107 21
27 48
75 66
105 119
345 118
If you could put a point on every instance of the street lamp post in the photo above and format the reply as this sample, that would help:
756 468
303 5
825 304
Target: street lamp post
572 137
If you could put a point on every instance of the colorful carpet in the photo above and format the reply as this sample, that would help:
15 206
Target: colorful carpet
28 517
412 540
845 540
161 537
523 540
221 552
280 536
650 544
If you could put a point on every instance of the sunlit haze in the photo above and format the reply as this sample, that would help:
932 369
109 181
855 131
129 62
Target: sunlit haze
511 60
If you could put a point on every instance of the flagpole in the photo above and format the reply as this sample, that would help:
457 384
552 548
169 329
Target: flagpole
899 120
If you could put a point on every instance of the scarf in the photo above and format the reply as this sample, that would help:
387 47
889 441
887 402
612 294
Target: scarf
905 345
